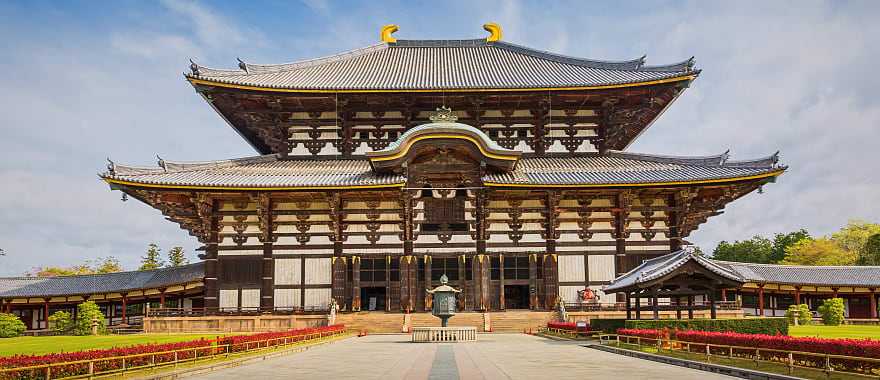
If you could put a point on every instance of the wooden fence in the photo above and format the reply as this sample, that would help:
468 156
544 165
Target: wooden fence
828 363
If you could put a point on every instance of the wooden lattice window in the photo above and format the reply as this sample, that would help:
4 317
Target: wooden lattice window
444 214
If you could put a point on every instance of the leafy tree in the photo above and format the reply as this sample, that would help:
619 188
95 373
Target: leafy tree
832 311
821 251
61 322
10 326
85 313
871 254
107 264
854 238
100 265
781 242
176 257
754 250
153 259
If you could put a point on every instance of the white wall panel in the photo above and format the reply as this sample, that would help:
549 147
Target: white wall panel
287 271
317 297
601 267
317 271
571 268
287 298
228 298
250 298
569 293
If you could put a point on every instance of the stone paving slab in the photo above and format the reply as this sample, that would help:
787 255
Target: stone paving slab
493 356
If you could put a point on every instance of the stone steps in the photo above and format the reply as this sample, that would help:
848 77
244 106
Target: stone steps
459 320
372 321
519 320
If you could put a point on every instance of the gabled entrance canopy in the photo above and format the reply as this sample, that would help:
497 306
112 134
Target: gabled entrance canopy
443 137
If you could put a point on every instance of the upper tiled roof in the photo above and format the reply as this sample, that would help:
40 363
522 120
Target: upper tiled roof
614 168
867 276
443 65
657 267
100 283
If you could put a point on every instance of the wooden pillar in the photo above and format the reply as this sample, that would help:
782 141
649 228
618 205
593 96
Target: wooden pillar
355 283
761 300
404 269
501 302
835 292
533 282
677 307
212 262
46 311
339 264
654 306
124 307
388 282
267 288
797 295
873 303
428 285
724 295
628 305
690 307
551 285
161 298
712 311
638 307
462 282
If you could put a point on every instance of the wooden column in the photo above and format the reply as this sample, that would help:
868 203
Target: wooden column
835 292
388 282
690 307
46 311
339 264
462 282
677 307
873 303
621 214
355 283
501 302
797 295
161 298
712 311
124 308
533 282
654 306
551 286
724 295
628 306
267 237
481 267
428 285
761 300
674 228
638 307
404 268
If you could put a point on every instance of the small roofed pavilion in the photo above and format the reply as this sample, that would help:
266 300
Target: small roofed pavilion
680 274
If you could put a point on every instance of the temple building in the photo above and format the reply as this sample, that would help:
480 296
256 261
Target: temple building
380 169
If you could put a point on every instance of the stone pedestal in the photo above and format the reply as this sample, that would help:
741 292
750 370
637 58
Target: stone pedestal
444 334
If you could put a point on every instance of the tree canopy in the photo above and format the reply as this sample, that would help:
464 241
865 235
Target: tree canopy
176 257
107 264
759 249
821 251
153 259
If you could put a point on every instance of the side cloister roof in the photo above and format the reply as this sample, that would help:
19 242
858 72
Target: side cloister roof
612 169
441 65
13 287
866 276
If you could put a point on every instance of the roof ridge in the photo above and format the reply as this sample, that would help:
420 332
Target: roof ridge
104 274
627 65
798 266
165 166
713 160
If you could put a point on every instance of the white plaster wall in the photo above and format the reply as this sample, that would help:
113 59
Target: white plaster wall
287 271
571 268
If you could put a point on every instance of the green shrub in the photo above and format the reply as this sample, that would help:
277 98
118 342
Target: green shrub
832 311
85 312
800 312
61 322
10 326
608 326
769 326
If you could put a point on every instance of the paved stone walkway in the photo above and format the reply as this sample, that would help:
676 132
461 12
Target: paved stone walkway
493 356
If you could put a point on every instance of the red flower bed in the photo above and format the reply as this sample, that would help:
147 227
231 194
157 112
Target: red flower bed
244 342
202 347
571 326
867 348
194 348
641 333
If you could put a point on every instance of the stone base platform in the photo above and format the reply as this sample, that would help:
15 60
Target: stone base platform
444 334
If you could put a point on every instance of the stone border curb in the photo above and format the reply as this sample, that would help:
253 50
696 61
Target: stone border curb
742 373
199 370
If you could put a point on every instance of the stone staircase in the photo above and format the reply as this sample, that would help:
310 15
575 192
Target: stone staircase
372 321
519 320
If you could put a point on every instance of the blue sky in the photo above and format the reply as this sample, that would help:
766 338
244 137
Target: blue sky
83 81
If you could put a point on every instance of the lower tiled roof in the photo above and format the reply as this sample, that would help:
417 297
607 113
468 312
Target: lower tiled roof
614 168
100 283
657 267
864 276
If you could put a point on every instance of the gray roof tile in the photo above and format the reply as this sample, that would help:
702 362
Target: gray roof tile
100 283
867 276
443 64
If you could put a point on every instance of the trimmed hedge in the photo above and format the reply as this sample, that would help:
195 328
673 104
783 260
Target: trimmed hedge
766 326
607 325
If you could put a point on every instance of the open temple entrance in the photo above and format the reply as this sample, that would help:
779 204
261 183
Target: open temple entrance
373 298
516 297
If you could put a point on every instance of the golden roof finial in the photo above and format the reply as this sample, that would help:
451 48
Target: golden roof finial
494 31
443 115
386 31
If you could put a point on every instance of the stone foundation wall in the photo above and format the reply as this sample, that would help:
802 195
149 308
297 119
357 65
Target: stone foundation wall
255 323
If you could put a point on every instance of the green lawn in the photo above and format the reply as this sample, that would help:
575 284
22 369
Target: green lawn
50 344
842 331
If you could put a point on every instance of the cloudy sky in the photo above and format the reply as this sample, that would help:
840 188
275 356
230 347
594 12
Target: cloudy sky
82 81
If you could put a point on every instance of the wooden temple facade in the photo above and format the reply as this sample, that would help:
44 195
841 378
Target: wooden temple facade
383 168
